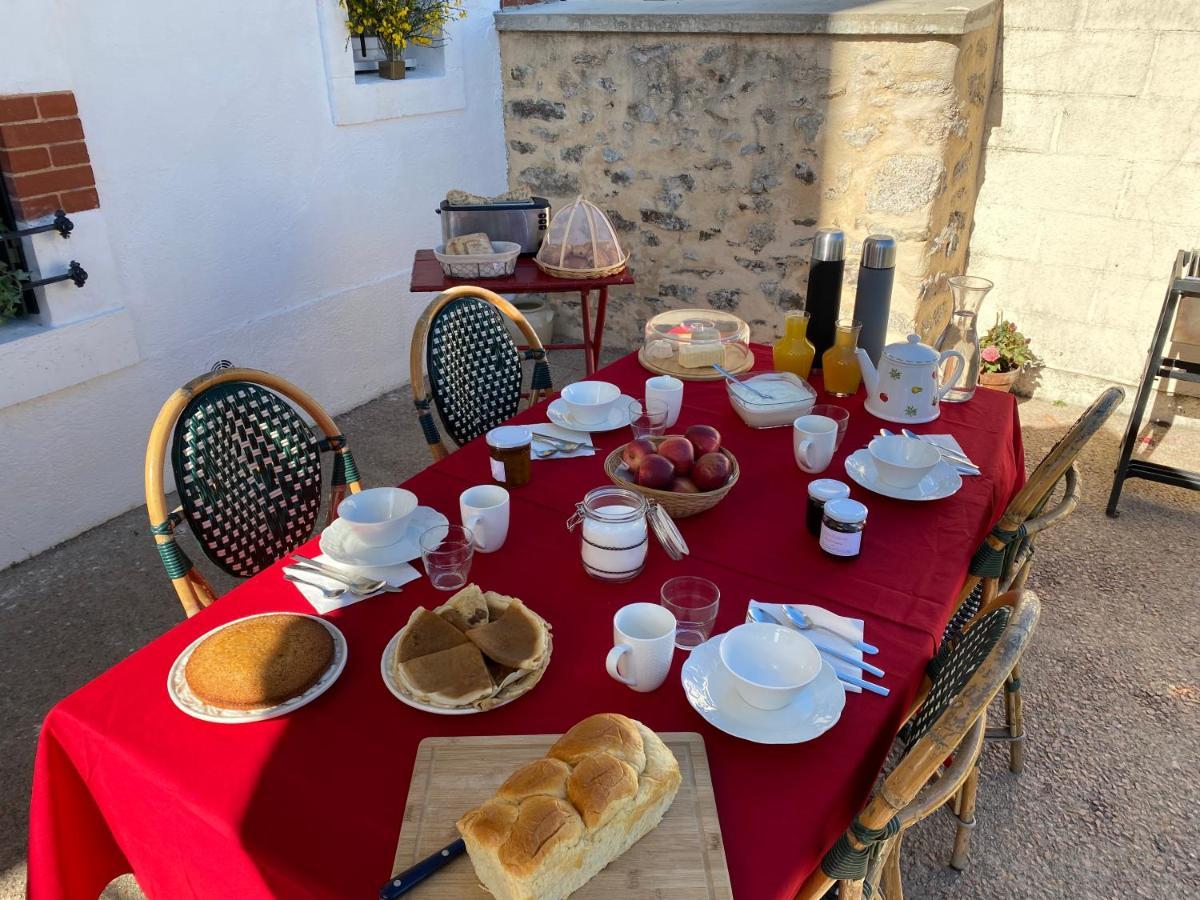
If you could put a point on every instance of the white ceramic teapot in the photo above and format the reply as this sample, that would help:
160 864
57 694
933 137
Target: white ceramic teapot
906 387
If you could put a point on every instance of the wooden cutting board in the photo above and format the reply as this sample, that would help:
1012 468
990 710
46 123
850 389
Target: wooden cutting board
682 859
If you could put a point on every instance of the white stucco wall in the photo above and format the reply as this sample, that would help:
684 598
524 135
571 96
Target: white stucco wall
1091 181
242 224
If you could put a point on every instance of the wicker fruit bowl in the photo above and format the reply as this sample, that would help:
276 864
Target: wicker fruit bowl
677 505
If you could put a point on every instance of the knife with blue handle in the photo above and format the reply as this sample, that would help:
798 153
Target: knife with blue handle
411 877
865 685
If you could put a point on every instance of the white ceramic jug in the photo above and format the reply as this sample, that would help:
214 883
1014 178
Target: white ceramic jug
906 386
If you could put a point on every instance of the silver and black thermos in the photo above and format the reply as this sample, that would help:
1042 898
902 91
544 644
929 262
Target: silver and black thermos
873 299
824 297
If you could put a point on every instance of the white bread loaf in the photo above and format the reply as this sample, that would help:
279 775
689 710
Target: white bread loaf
559 820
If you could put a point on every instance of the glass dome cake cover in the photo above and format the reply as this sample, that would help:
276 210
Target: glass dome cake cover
687 342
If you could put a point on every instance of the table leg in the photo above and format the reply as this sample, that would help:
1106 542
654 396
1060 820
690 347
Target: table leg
585 313
598 334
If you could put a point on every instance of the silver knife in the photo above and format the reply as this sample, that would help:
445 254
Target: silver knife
551 439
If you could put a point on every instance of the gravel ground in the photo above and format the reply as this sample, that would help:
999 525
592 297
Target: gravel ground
1108 804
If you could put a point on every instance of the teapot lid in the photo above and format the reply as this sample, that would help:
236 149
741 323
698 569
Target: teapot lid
912 352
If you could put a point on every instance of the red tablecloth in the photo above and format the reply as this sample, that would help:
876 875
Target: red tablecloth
309 805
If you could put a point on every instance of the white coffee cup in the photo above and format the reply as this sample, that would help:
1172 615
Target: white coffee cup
484 509
644 639
669 390
814 438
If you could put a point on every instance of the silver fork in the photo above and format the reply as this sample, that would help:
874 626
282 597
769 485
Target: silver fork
357 583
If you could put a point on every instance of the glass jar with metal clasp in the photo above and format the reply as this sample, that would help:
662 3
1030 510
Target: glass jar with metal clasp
614 537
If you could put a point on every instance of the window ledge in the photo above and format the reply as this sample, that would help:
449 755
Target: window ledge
36 360
355 99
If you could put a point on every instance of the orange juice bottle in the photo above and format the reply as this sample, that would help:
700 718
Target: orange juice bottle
794 352
839 365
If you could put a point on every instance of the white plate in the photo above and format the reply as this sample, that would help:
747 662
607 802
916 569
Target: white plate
385 669
709 688
339 543
942 480
618 415
182 696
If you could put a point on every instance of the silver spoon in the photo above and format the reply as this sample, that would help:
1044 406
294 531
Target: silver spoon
733 379
357 583
327 593
803 622
945 451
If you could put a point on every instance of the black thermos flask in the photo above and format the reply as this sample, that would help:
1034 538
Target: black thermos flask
824 297
873 298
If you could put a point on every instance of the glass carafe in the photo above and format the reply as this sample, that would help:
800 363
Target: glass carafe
961 332
839 365
794 352
961 335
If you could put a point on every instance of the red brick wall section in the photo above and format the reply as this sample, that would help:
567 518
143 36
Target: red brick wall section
43 156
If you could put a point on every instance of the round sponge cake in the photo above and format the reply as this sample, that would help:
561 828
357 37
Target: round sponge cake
261 661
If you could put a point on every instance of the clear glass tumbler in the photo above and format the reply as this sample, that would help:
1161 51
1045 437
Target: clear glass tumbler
693 601
839 414
648 417
447 551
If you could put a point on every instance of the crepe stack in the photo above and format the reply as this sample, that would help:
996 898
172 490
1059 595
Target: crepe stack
479 650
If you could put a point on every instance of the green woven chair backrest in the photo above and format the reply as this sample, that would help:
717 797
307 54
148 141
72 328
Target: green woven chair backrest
952 667
248 472
474 368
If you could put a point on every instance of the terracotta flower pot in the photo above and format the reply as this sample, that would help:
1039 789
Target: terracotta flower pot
392 69
999 381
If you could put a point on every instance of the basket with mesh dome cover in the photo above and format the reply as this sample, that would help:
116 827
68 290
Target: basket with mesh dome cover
247 466
581 243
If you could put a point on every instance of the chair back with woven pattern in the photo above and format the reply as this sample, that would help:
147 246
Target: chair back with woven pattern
473 365
962 679
247 467
1005 552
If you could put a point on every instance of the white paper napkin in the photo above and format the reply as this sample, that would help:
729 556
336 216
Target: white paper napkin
830 632
395 576
948 442
566 434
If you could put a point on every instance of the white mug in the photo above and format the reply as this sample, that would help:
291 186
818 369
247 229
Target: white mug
644 639
814 438
669 390
484 510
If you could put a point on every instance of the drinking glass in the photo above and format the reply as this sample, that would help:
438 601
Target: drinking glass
447 551
693 601
838 414
648 417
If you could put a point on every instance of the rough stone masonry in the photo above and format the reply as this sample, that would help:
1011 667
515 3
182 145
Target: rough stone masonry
717 156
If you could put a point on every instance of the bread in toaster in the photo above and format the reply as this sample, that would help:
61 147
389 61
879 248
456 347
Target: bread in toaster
559 820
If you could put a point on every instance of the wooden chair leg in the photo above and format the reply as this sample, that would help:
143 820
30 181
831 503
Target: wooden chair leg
850 890
965 814
1016 721
890 884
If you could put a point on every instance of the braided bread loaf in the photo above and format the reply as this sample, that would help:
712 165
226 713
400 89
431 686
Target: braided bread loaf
559 820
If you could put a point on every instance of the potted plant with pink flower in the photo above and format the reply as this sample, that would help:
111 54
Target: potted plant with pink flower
1003 353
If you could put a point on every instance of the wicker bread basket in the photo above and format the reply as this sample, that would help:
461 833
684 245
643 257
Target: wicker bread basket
678 506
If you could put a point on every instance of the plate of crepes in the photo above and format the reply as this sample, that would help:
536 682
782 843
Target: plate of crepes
258 667
477 651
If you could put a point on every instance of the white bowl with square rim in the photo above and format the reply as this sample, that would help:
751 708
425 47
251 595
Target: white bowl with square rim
770 664
378 517
589 402
902 462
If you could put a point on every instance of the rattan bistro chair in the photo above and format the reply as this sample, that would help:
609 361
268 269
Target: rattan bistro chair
961 680
1003 560
248 471
474 366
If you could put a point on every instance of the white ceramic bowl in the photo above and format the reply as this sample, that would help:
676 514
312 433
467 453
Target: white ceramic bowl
588 402
770 664
378 516
902 462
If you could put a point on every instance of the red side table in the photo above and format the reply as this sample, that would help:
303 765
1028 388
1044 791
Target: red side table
428 277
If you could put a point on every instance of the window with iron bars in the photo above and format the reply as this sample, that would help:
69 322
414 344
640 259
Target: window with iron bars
16 301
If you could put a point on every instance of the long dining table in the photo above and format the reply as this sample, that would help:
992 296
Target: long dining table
310 804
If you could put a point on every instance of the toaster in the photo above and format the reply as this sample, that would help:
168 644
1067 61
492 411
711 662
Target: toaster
523 222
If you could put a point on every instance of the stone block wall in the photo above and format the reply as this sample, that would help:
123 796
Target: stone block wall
1092 181
717 155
